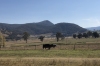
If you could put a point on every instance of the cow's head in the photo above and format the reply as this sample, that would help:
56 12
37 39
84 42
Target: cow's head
53 45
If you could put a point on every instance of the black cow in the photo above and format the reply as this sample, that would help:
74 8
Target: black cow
48 46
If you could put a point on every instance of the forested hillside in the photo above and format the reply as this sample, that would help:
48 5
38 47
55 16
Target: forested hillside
67 28
43 27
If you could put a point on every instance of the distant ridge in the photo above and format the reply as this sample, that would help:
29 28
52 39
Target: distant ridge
93 28
43 27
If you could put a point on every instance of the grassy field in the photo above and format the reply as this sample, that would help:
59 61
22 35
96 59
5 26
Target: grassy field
68 43
53 40
51 53
50 58
50 62
14 55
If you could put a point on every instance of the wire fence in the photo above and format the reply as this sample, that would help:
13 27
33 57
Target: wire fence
58 47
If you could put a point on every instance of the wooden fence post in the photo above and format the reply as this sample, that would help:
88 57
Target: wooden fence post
0 45
88 46
74 47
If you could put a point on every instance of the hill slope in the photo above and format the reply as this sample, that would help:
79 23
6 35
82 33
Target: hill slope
43 27
67 28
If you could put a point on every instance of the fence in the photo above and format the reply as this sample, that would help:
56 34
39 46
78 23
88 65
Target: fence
59 46
80 46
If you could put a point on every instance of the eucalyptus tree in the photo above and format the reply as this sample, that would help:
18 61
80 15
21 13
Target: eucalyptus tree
26 36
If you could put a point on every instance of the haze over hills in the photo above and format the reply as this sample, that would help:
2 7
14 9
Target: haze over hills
43 27
93 28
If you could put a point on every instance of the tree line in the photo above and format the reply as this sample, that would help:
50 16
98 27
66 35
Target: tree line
88 34
14 36
58 35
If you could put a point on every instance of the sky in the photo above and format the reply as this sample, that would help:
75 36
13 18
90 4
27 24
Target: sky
85 13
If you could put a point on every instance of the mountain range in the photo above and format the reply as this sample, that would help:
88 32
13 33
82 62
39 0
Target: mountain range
43 27
93 28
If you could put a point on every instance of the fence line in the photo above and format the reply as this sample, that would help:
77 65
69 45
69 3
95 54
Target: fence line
59 46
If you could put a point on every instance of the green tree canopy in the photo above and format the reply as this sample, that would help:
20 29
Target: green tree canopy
95 34
74 35
58 35
79 35
41 38
26 36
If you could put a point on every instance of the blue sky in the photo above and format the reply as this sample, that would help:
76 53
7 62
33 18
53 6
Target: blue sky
85 13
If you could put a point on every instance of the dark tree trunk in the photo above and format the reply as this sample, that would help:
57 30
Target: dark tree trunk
26 40
57 39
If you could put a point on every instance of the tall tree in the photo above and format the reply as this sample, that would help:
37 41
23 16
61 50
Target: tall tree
2 40
89 33
95 34
26 36
85 35
58 35
41 38
79 35
74 35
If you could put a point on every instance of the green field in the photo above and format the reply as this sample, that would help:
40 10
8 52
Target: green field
50 57
51 53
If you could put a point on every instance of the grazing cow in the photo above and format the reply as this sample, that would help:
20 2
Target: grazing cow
48 46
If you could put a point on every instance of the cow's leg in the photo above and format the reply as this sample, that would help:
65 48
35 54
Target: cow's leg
49 48
44 48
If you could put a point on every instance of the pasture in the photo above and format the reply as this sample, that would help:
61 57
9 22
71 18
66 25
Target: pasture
68 43
49 62
69 52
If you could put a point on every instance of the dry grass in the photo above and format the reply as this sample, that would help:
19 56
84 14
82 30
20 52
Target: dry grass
67 44
53 40
51 53
50 62
18 57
